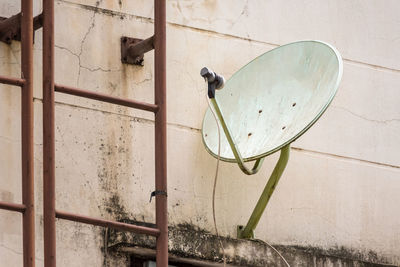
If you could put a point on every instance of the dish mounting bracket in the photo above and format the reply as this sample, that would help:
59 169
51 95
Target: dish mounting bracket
248 230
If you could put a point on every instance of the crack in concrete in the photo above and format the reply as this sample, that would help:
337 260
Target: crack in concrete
144 80
85 67
11 249
81 50
365 118
341 157
92 24
98 69
67 49
17 252
245 12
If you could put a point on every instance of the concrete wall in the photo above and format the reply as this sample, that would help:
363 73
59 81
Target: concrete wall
340 189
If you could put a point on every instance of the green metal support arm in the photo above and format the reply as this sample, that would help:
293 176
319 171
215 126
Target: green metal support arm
235 150
248 231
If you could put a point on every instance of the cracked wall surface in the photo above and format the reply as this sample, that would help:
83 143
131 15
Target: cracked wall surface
340 188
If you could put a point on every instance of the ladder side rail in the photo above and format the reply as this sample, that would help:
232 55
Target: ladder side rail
161 131
27 124
27 208
49 216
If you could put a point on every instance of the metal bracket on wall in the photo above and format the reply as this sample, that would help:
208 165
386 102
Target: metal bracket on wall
10 28
133 49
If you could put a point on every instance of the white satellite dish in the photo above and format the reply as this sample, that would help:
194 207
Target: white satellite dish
268 104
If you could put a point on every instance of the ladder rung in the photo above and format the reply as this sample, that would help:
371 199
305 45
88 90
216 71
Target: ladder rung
12 81
106 98
106 223
12 206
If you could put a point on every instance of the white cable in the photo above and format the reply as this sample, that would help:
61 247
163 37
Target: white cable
215 182
215 186
277 252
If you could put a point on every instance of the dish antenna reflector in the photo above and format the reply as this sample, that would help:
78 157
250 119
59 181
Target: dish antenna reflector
268 104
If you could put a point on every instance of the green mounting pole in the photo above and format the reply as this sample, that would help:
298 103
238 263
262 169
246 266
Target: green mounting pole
248 231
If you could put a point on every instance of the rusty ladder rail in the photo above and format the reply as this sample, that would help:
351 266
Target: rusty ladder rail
27 208
27 26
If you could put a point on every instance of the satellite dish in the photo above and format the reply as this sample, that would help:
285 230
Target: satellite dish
270 102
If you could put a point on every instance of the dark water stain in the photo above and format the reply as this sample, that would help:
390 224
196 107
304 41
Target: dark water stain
188 241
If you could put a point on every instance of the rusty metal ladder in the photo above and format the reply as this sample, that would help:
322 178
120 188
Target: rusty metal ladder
158 43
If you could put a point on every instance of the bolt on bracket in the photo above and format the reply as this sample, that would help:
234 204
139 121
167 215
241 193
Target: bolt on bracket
133 49
10 28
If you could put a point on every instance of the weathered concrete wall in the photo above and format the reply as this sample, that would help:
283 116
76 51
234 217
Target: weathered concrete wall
340 189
